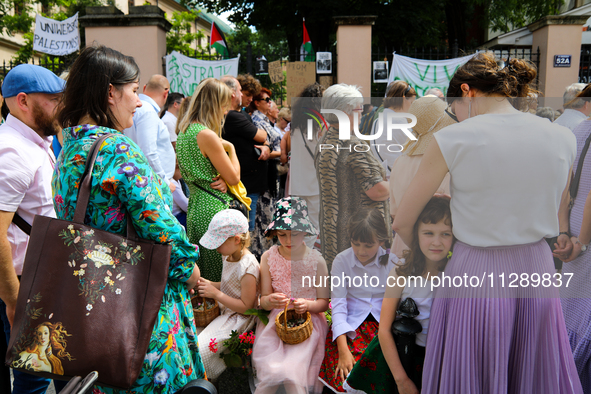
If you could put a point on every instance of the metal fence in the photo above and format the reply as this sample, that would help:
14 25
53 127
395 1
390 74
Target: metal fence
585 64
442 53
432 53
57 65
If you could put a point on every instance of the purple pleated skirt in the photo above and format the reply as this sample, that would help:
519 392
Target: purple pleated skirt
495 339
576 306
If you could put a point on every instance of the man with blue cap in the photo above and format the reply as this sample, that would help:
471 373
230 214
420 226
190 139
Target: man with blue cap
32 95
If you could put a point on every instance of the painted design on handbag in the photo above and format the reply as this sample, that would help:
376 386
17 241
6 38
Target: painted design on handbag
43 348
100 267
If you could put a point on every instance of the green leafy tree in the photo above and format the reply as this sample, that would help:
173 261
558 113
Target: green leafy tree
267 43
506 15
400 23
180 38
272 44
19 21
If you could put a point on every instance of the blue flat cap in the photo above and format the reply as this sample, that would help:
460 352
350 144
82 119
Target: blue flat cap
28 78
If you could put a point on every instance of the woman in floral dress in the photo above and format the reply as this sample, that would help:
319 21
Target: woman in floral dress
204 157
100 98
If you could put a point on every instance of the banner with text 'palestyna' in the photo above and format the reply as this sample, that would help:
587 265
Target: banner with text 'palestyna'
56 38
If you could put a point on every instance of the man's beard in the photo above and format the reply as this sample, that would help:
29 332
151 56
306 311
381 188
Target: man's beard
48 125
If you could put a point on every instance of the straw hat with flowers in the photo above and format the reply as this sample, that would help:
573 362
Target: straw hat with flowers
431 117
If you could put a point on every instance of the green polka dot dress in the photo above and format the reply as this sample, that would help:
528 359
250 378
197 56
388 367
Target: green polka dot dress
196 169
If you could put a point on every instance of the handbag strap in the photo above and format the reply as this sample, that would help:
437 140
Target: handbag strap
21 223
84 190
574 187
218 197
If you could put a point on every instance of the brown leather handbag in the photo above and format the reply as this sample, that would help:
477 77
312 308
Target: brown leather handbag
88 298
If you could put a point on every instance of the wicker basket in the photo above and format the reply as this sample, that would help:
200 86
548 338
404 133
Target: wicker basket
206 316
293 335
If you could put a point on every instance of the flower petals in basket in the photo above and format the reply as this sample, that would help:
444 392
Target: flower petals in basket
297 334
205 310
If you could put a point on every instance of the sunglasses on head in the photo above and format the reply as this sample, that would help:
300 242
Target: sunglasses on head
406 91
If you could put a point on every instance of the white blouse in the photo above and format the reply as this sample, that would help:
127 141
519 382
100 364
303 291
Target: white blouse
508 173
360 293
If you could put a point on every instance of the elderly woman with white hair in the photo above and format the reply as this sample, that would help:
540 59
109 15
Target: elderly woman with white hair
350 177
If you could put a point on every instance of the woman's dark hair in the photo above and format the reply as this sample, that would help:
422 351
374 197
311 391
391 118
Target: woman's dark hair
300 108
484 73
87 88
170 100
437 209
368 226
397 92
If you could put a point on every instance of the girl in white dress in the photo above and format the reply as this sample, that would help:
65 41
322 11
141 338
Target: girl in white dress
237 291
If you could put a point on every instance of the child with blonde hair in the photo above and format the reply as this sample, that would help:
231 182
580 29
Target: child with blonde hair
236 293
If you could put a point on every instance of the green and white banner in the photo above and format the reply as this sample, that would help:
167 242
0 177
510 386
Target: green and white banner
423 75
185 73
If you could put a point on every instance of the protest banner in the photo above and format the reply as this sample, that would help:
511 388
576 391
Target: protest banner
276 72
56 38
185 73
299 75
423 75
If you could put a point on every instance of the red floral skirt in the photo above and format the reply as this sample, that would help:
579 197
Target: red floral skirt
365 334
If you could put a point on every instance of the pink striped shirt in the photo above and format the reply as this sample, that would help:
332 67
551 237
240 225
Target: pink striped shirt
26 168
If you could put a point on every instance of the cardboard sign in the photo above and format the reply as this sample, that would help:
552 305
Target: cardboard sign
299 75
325 81
276 72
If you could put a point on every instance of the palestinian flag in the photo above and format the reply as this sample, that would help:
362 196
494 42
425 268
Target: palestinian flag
306 49
218 42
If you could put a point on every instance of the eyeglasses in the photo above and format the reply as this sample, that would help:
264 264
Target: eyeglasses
450 112
268 99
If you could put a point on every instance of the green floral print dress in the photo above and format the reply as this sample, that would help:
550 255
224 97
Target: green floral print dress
198 172
124 183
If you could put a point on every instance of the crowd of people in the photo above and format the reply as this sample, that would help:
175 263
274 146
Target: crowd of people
261 214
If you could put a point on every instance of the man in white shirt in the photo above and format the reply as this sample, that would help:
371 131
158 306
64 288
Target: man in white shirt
574 111
150 133
171 113
32 94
